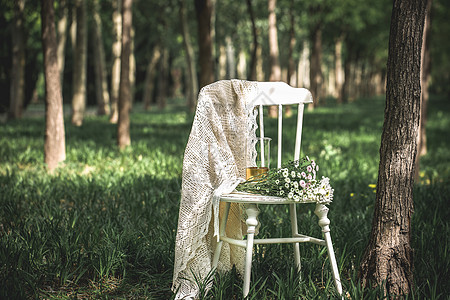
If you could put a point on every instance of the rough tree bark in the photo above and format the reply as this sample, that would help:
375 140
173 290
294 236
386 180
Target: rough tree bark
123 128
80 65
17 95
203 9
191 78
116 50
54 145
388 259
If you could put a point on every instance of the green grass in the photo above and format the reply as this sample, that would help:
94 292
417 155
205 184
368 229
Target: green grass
104 224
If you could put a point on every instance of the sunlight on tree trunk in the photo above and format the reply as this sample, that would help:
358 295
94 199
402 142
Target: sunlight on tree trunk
116 50
275 69
54 145
253 56
123 128
339 72
163 78
149 85
101 84
388 257
62 37
425 82
80 65
17 96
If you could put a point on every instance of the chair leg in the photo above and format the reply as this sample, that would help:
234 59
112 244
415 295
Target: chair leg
252 221
321 211
222 227
294 228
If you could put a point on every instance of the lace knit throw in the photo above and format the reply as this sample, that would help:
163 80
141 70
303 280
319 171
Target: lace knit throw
220 144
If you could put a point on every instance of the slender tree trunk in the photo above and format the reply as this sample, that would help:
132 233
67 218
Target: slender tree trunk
253 58
150 77
80 66
203 10
231 60
316 77
163 79
101 84
54 145
132 68
242 65
123 128
425 81
388 259
292 41
339 71
17 95
275 70
191 78
303 67
62 36
222 66
116 50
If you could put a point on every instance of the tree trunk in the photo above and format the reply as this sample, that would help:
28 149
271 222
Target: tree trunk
150 77
339 72
222 65
17 94
123 128
191 76
54 145
291 64
425 81
132 68
303 79
253 58
101 84
315 65
242 65
203 10
275 70
80 65
231 60
62 37
388 259
163 79
116 50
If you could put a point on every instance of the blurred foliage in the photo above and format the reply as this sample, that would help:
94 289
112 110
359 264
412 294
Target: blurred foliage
364 26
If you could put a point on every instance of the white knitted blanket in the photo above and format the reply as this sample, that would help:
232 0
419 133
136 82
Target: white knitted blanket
220 146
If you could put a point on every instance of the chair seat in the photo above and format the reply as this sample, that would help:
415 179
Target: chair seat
242 197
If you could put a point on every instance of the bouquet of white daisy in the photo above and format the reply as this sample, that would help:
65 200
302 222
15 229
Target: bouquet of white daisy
295 180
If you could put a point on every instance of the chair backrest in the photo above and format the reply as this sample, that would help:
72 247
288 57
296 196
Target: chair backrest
279 94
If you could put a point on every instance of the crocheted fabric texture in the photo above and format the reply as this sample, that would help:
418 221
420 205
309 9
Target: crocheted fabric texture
220 146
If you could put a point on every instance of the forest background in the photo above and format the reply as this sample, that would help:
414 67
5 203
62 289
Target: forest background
103 223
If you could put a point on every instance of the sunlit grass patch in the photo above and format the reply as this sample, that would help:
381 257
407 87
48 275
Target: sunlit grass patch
103 224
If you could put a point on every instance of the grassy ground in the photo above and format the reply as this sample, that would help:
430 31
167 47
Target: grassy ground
103 226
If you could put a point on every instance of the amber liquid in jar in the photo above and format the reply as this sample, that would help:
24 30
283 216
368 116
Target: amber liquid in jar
254 173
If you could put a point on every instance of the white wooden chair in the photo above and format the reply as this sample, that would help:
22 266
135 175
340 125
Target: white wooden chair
280 94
